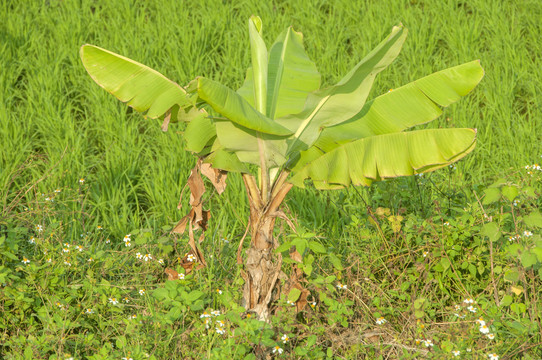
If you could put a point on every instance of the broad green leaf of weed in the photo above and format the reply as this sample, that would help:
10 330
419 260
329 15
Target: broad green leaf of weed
491 195
510 192
491 230
534 219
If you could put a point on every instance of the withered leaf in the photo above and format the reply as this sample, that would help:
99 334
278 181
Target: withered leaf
217 177
167 118
181 225
171 274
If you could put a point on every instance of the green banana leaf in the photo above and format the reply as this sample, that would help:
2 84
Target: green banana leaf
244 143
141 87
259 63
291 76
236 109
342 101
413 104
363 161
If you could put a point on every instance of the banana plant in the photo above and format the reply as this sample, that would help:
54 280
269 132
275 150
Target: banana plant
280 128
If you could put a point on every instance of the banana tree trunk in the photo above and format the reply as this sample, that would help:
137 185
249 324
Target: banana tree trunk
262 267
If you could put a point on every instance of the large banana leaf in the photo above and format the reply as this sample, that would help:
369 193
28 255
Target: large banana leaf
236 109
291 76
374 158
141 87
413 104
259 63
340 102
244 142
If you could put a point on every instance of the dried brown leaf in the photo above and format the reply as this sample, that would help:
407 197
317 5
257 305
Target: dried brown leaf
167 118
217 177
181 225
171 274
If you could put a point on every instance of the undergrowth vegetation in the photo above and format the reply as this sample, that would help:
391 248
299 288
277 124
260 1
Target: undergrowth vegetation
444 265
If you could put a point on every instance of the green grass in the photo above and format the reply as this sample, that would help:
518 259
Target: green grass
57 126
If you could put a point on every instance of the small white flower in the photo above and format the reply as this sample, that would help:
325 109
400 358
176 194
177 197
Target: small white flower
472 309
219 292
67 263
277 349
469 349
90 260
39 228
99 227
457 307
527 233
125 358
290 302
381 321
205 315
139 256
468 301
313 304
207 323
49 260
25 261
428 343
480 322
341 286
107 241
181 276
220 330
191 258
132 317
127 238
425 253
147 257
142 292
48 199
161 261
220 323
460 316
128 244
81 181
57 190
65 250
215 313
32 240
285 339
79 247
446 223
493 356
456 353
491 336
484 329
89 311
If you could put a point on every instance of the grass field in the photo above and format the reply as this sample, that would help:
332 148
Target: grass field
471 232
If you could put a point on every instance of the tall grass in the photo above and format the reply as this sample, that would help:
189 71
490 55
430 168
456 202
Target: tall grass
55 118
